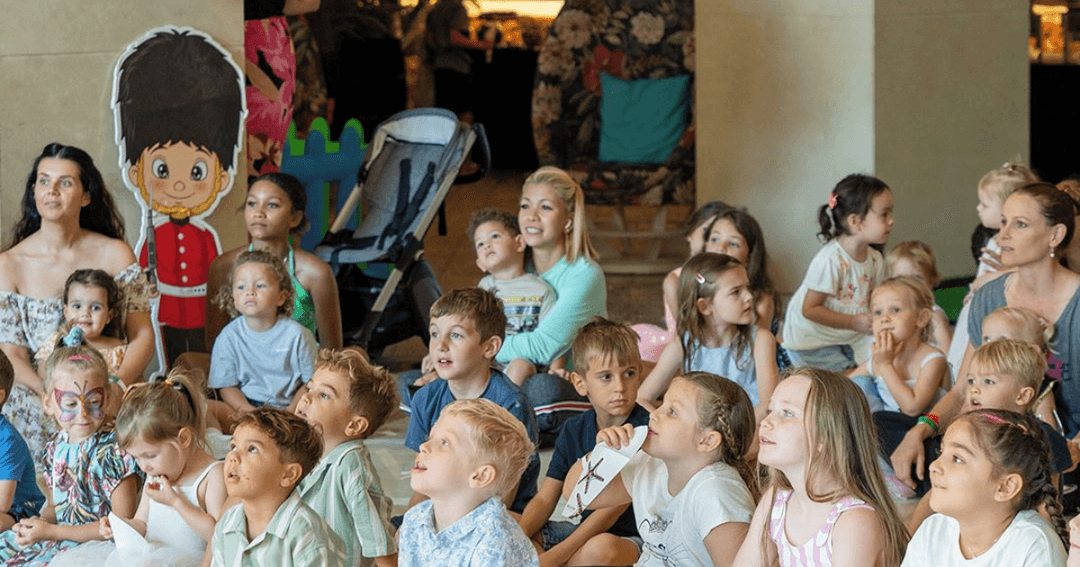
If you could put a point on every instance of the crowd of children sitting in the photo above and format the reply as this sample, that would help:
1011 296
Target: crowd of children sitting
771 436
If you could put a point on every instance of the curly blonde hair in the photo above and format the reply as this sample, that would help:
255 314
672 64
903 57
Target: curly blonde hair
224 298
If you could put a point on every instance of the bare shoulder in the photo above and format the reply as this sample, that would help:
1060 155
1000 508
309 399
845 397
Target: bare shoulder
226 259
112 254
9 269
862 524
311 268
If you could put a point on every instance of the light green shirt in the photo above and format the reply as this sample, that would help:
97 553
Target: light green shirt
295 537
344 489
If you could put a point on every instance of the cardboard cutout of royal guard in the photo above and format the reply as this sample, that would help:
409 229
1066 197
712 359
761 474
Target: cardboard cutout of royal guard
179 108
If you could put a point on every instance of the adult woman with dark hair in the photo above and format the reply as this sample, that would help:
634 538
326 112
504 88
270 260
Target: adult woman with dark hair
69 222
1038 223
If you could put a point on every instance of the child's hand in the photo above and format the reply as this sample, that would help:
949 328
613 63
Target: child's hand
427 365
104 528
885 349
425 379
991 259
31 531
864 324
160 490
1074 454
617 436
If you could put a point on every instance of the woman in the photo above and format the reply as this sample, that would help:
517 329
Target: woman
69 222
1038 222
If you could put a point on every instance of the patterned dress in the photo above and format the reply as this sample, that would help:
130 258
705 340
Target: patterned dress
29 322
82 477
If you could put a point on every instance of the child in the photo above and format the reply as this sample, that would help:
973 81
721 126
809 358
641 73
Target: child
91 302
473 459
826 501
161 425
653 338
263 356
991 480
19 494
916 260
500 253
1074 542
1024 325
688 483
87 473
270 453
828 324
608 371
908 374
467 327
346 401
717 332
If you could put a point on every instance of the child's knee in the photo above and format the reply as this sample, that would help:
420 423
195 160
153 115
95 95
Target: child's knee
606 549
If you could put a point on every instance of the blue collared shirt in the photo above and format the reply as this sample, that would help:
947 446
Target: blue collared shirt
485 537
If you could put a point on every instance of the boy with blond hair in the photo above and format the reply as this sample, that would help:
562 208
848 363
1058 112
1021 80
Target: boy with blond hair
474 457
467 327
607 370
346 401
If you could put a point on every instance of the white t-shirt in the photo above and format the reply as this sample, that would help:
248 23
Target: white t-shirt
1029 541
848 284
673 528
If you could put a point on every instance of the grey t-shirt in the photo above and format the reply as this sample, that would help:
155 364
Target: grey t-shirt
267 366
1064 360
526 299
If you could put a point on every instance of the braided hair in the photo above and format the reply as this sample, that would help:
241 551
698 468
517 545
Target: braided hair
725 407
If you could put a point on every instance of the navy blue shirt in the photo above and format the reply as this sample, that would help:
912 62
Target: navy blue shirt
429 401
577 438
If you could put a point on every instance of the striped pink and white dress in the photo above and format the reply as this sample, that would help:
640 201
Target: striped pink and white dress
817 551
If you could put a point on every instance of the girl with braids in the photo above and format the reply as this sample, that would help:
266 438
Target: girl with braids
688 485
716 333
826 503
991 480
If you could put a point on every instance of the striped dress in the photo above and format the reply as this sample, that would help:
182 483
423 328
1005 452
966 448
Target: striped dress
817 551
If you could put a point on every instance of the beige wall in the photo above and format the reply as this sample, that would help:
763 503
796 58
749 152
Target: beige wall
926 94
56 64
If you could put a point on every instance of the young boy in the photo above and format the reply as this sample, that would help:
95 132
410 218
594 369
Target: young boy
475 456
270 452
467 327
1004 375
20 497
346 401
607 369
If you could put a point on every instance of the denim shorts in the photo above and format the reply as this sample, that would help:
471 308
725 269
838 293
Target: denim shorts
869 389
837 358
555 532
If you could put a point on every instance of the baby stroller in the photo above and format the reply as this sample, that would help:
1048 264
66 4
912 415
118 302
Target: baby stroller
408 169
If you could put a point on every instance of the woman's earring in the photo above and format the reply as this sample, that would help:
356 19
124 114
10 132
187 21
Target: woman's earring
1051 251
569 225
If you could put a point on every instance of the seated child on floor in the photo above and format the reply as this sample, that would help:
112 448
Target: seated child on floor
916 260
270 453
19 494
1004 375
87 473
262 356
1024 325
467 327
346 401
526 297
473 458
607 369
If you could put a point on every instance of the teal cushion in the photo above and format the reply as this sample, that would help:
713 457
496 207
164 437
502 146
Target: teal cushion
641 120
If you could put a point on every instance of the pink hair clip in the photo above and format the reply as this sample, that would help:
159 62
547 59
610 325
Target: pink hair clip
998 420
82 357
700 278
832 200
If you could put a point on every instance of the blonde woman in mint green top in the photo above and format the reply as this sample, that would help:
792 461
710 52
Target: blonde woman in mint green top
273 214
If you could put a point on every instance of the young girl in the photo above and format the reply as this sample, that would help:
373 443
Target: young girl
718 335
915 259
908 374
262 356
1074 542
161 426
828 321
653 338
826 503
688 484
991 480
87 473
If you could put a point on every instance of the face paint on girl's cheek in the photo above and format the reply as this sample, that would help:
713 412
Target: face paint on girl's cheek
70 402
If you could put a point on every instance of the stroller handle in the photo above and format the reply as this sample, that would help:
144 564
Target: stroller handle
485 157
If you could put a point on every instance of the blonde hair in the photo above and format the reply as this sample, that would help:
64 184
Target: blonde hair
372 390
1033 329
842 445
920 296
570 192
224 298
725 407
499 437
1023 361
1002 181
921 255
83 358
698 281
604 339
157 411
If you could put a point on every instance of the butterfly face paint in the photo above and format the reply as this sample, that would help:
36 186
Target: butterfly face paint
71 404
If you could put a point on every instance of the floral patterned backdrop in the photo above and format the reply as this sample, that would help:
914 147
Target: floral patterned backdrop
629 39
